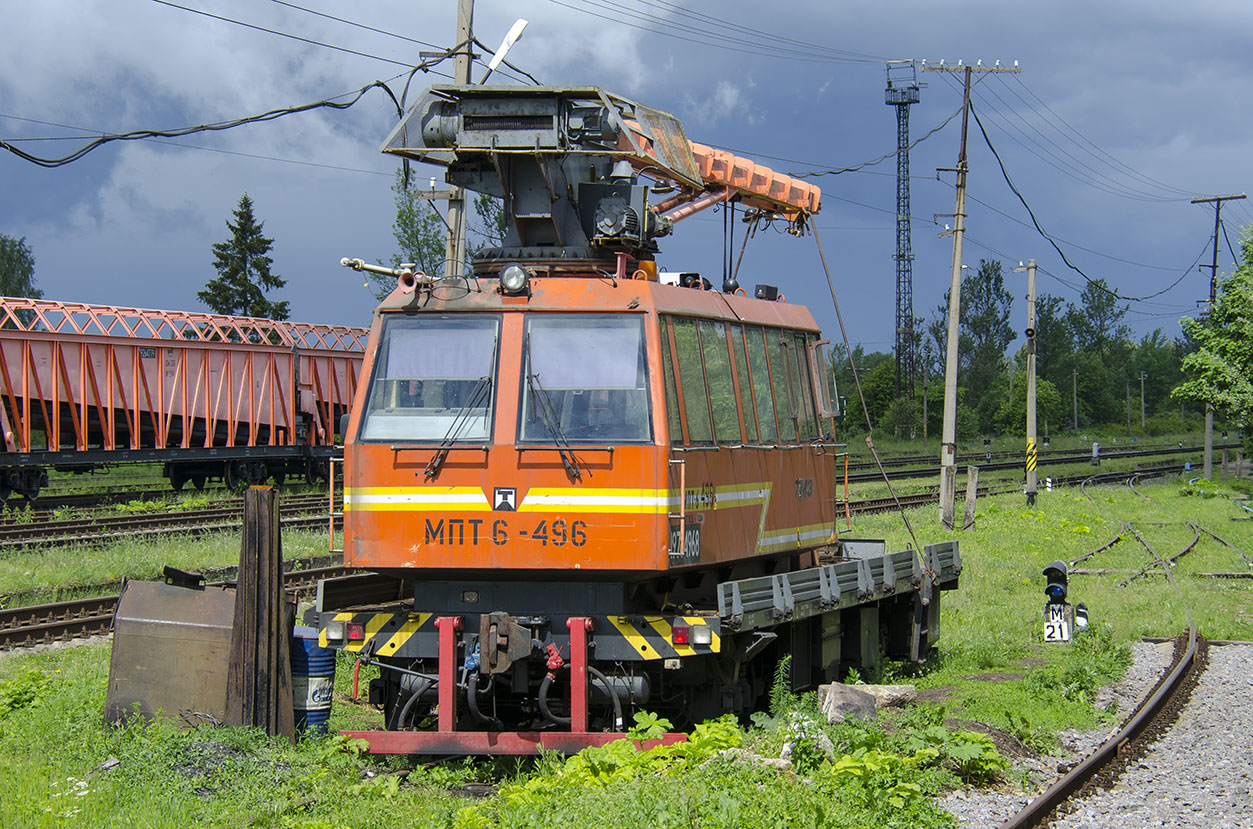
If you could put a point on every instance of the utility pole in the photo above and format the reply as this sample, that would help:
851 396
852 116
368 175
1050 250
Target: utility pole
948 440
1128 408
1144 376
1030 332
1208 468
1074 392
455 252
926 378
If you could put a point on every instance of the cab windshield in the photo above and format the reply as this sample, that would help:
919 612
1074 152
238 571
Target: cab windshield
584 380
434 379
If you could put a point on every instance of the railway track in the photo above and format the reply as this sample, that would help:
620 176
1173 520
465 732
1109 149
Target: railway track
1182 757
1017 463
294 510
887 504
23 627
1102 768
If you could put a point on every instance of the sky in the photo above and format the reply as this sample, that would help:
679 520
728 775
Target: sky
1122 112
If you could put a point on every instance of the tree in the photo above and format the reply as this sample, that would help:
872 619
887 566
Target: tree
1096 323
421 233
985 314
1011 417
1220 370
17 268
244 270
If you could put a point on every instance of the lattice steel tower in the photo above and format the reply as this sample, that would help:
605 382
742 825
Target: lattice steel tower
903 90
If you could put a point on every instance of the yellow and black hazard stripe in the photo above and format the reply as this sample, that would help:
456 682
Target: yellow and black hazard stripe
384 633
652 637
1031 458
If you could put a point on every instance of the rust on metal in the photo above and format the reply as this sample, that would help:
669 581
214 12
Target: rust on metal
100 377
170 651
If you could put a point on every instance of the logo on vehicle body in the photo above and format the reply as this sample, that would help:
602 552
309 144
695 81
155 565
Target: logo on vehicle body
505 499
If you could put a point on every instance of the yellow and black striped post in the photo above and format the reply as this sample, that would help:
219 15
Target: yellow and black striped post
1031 464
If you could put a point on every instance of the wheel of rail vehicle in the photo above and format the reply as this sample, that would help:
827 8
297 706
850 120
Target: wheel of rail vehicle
198 481
315 472
235 475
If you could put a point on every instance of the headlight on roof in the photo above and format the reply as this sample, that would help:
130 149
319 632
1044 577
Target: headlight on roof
514 279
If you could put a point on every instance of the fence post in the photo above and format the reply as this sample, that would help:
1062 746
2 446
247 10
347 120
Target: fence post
258 680
972 486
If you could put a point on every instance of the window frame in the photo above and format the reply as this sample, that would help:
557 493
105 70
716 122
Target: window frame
390 320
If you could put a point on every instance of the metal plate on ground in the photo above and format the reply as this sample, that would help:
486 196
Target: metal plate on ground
171 648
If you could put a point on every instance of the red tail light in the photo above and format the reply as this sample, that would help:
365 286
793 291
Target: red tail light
355 630
679 635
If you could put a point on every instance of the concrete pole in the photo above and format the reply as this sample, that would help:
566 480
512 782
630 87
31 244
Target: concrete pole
948 440
1208 467
1074 391
1128 390
455 251
1143 376
1031 431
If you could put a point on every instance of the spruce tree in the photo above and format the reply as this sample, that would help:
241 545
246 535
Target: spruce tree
244 270
17 268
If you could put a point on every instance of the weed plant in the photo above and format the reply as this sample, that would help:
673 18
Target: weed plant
53 573
60 764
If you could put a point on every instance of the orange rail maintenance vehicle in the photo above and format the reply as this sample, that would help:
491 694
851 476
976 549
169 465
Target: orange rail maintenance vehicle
604 489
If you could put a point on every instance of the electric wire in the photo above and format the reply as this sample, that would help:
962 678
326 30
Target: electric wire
211 127
667 28
1235 259
396 35
1094 283
707 18
1112 160
309 41
1092 251
182 145
882 158
1061 160
356 24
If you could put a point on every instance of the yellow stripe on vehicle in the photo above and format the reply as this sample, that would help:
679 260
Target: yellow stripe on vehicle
403 635
660 625
634 637
603 500
373 626
419 499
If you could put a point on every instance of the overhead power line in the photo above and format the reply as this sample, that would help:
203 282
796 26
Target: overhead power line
754 32
1061 159
702 36
1094 283
309 41
1096 151
213 127
181 145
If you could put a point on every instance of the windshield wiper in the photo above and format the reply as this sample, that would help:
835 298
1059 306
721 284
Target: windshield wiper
570 460
478 393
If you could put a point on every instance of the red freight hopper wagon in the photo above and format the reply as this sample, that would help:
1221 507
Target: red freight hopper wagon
209 395
606 488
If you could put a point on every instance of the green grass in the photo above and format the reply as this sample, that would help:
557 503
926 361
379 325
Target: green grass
55 573
883 773
993 624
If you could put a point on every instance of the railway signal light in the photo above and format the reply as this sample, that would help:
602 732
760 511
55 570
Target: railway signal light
1056 582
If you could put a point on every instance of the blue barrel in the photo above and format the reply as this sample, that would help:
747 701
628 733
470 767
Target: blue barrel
312 680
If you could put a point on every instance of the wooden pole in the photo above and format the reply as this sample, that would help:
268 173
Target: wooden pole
258 689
